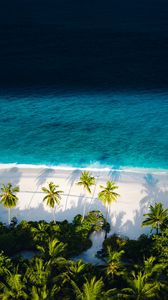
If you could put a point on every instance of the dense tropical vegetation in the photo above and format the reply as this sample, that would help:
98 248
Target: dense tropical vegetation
128 269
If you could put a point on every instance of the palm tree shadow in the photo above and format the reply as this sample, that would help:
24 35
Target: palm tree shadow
33 214
76 207
97 204
150 188
152 194
117 225
115 173
71 180
41 180
44 175
11 175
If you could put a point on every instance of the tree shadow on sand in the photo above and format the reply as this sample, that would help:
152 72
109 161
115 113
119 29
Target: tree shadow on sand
153 194
74 176
116 222
41 212
151 189
115 173
11 175
41 179
49 172
33 214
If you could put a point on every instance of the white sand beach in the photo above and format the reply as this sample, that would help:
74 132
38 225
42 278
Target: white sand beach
138 188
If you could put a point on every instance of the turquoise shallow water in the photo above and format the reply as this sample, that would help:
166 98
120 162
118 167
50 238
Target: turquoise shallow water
79 129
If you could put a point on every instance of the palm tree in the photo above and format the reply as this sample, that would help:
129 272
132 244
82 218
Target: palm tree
156 217
43 293
38 272
40 232
108 194
39 293
114 265
140 288
76 268
151 268
86 180
91 290
5 264
52 197
53 248
75 271
8 198
13 288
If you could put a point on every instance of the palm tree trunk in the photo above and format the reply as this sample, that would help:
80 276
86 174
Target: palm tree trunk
54 215
157 229
84 207
84 210
9 216
107 211
92 196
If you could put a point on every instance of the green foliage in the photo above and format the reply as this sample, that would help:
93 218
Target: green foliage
157 217
91 290
114 267
160 250
5 265
11 240
93 221
53 196
52 248
8 197
136 250
86 180
116 242
140 287
132 269
13 287
108 194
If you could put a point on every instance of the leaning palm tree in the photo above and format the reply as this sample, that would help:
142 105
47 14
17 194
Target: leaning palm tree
86 180
108 194
8 198
156 217
53 196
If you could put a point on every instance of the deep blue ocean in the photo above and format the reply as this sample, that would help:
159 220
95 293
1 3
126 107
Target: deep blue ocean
84 83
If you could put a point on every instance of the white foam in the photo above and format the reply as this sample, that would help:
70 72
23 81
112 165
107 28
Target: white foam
91 168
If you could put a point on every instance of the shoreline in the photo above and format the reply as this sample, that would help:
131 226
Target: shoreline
91 168
138 189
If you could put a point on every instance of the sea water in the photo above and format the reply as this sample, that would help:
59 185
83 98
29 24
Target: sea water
81 129
84 83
